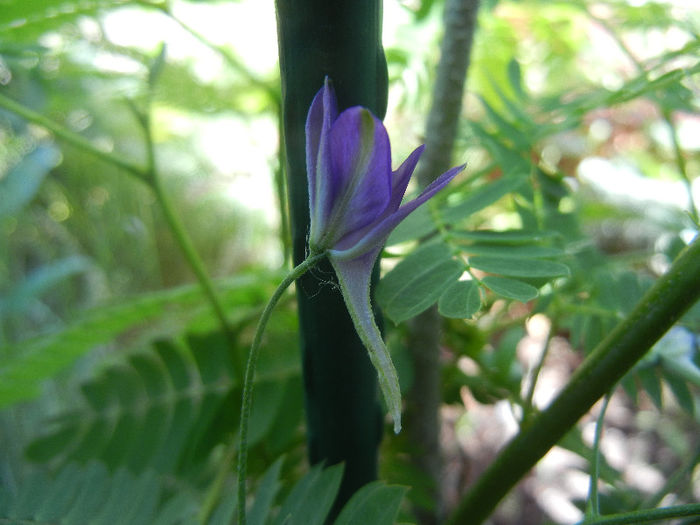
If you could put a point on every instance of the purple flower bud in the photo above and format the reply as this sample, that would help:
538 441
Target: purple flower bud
354 204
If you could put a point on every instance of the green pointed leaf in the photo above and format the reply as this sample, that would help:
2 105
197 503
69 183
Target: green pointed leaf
507 237
508 251
518 267
375 503
460 301
511 288
312 497
21 184
482 197
417 281
418 224
265 495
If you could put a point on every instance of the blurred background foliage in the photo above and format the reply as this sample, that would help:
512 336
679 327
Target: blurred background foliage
103 335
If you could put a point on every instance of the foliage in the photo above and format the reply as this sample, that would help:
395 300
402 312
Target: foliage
120 388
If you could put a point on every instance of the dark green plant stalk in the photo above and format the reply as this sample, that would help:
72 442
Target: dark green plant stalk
646 516
670 297
341 40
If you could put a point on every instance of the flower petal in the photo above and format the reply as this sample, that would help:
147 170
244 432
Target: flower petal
354 277
376 236
360 175
402 176
322 113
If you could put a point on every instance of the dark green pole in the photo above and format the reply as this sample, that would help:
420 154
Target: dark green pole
340 39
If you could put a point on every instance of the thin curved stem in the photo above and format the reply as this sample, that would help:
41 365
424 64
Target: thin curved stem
246 403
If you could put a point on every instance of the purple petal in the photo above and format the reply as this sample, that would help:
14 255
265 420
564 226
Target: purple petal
402 176
376 236
360 185
354 277
322 113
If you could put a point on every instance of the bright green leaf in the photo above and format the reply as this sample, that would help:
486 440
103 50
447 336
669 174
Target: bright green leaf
511 288
518 267
375 504
460 301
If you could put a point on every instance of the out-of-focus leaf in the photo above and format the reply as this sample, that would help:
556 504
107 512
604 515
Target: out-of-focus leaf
39 281
20 185
312 497
30 362
416 225
375 503
482 197
265 495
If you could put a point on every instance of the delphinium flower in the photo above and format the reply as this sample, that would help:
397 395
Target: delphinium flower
354 204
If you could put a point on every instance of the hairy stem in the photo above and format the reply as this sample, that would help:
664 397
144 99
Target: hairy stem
672 295
247 401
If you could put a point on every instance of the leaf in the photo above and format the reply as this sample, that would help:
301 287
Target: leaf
518 267
418 224
312 497
417 281
511 288
460 301
265 495
482 197
505 237
32 361
163 410
375 503
89 494
40 281
507 251
21 184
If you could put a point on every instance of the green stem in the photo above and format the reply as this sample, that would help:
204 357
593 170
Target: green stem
534 376
680 163
643 516
593 506
672 295
246 404
73 138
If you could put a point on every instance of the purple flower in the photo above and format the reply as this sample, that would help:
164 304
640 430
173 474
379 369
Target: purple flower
354 204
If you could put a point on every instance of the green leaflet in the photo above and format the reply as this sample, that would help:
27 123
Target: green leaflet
511 288
461 300
417 281
516 267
